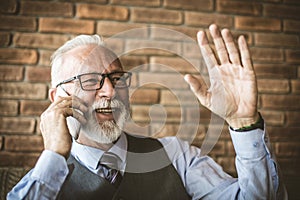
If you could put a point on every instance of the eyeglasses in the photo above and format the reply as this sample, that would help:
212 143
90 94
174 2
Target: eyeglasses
95 81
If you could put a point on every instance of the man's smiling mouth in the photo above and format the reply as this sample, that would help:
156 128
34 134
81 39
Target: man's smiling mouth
105 110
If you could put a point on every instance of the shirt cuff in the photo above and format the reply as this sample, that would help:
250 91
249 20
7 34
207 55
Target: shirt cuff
51 169
249 144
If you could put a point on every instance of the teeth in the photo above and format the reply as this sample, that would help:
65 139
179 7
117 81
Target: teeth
104 110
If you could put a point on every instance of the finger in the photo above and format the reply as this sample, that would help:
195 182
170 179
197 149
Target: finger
199 88
231 47
219 44
79 104
74 113
71 102
245 53
207 53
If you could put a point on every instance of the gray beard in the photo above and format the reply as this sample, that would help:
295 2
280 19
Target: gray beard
105 132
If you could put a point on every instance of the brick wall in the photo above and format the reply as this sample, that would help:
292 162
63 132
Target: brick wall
31 30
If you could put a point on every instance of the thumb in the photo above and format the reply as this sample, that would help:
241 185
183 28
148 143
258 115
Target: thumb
199 88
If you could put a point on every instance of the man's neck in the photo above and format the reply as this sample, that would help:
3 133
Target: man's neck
82 139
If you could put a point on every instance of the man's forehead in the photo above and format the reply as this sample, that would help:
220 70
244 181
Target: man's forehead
92 52
92 58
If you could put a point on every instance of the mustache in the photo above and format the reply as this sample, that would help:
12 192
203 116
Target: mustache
106 103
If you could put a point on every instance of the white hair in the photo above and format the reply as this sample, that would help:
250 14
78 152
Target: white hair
56 58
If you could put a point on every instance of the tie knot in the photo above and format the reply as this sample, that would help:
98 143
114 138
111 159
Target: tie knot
110 163
110 160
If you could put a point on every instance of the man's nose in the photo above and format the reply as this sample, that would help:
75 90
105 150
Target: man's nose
107 90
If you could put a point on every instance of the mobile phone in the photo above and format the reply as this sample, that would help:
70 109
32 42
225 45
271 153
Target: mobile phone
72 123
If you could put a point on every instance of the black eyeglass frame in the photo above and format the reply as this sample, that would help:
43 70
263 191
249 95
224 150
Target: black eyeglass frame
101 80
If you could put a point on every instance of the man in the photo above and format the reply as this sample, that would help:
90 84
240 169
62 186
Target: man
89 98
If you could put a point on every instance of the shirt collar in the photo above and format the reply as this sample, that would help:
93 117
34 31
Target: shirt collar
90 156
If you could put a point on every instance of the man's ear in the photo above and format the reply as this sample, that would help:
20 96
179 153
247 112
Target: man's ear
52 94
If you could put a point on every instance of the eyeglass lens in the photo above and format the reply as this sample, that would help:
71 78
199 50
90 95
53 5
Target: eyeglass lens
95 81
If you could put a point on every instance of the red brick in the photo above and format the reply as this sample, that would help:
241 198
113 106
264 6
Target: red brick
287 149
102 12
228 164
8 6
206 5
279 40
275 70
282 11
117 45
295 86
19 159
267 54
18 56
11 73
191 50
293 119
205 19
118 29
273 118
273 86
17 125
91 1
156 114
39 8
166 64
178 98
292 173
130 62
29 107
152 47
237 7
176 33
137 2
41 74
291 1
218 149
257 24
169 81
18 23
279 134
4 39
159 130
193 115
9 107
160 16
145 96
291 26
44 57
66 25
292 56
198 136
23 90
281 102
23 143
37 40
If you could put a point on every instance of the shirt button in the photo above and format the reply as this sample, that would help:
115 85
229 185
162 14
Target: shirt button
255 144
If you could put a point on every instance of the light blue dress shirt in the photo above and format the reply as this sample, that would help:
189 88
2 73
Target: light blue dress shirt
202 177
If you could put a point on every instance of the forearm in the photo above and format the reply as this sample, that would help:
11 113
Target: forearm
256 168
44 181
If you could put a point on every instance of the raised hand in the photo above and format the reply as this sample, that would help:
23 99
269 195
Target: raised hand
233 91
54 127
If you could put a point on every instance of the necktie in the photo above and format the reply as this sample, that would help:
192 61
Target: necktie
110 162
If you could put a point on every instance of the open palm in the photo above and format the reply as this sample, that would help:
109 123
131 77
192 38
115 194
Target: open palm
233 91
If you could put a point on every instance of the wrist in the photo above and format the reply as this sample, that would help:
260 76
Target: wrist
258 124
243 122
